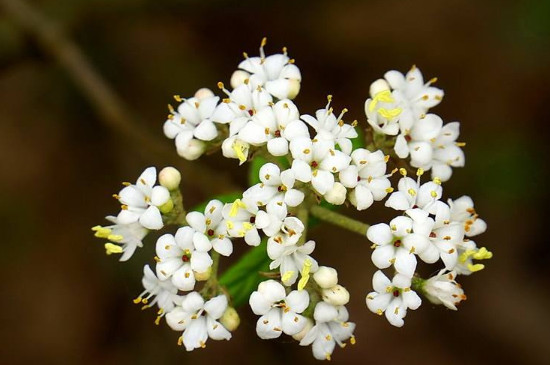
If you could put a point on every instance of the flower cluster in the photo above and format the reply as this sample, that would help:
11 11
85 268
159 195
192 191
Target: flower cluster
309 166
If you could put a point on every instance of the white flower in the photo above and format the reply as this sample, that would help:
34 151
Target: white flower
275 125
392 297
467 253
141 202
412 95
211 225
180 256
331 328
396 244
332 129
326 277
443 289
239 218
367 177
279 312
233 147
410 194
240 106
292 259
447 152
418 141
444 239
126 237
382 111
462 210
199 320
192 120
336 295
164 292
275 186
336 195
277 73
317 161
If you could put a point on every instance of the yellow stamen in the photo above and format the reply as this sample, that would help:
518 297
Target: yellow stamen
305 274
111 249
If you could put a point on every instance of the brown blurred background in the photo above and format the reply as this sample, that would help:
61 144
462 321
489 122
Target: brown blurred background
65 302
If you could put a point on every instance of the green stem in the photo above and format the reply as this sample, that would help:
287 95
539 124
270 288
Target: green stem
339 220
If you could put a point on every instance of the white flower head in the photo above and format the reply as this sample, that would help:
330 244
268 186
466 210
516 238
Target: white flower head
443 289
331 328
316 161
211 225
331 128
412 95
160 292
239 218
280 313
199 320
180 256
124 238
192 120
462 210
277 73
141 202
367 178
275 125
392 298
275 186
447 151
397 244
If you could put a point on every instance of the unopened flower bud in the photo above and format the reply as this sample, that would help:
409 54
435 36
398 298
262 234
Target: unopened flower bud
238 78
204 93
230 319
378 86
170 178
193 150
337 295
293 88
326 277
203 276
337 195
300 335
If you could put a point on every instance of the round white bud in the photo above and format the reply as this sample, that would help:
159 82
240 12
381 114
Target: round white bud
336 195
326 277
238 78
337 295
300 335
378 86
170 178
204 93
230 319
193 150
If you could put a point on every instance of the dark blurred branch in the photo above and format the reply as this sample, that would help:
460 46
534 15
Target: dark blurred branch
111 109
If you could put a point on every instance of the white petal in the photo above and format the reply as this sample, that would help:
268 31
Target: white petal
151 218
216 306
380 234
297 300
223 246
206 131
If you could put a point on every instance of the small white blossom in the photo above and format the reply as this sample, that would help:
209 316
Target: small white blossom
444 238
126 237
367 178
336 295
292 259
279 312
447 152
317 161
162 293
392 297
326 277
180 255
382 113
275 186
211 225
277 73
239 218
275 125
396 244
412 95
443 289
462 210
417 142
199 320
331 128
141 202
331 328
192 120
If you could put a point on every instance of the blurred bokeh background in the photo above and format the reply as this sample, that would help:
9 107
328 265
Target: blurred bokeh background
61 158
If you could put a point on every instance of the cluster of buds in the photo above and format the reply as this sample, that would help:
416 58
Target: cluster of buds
309 166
